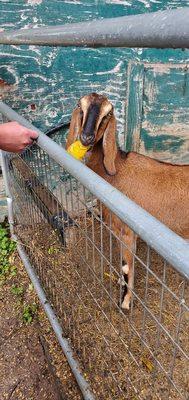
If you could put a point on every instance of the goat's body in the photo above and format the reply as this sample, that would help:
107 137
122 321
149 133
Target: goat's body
161 189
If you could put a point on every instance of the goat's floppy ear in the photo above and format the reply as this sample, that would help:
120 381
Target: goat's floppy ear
110 146
75 126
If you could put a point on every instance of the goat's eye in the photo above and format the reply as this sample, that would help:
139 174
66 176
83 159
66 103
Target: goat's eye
78 106
110 113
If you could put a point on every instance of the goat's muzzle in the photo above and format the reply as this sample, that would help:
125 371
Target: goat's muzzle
87 139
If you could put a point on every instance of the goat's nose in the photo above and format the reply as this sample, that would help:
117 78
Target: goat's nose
87 139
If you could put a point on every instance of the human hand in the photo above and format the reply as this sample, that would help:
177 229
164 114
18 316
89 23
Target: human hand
15 137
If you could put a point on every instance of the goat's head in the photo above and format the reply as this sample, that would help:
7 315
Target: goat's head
93 120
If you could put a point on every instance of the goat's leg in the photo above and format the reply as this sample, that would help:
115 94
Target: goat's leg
130 283
128 273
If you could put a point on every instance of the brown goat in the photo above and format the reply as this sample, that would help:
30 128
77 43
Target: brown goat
161 189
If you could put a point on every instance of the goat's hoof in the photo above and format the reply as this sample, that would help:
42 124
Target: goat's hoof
121 281
125 269
125 304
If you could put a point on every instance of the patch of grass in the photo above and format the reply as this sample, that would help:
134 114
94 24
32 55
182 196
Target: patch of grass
13 270
52 250
17 290
7 246
29 313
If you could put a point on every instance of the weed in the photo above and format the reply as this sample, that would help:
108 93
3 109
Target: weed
7 246
17 290
13 270
29 313
52 250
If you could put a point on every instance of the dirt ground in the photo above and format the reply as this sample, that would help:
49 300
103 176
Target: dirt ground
32 366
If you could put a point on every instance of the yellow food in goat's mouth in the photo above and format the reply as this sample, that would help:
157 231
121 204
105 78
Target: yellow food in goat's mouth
78 150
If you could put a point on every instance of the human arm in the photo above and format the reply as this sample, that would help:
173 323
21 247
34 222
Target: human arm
15 137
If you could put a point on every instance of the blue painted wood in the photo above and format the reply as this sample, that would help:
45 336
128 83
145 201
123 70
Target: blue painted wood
158 111
44 83
135 89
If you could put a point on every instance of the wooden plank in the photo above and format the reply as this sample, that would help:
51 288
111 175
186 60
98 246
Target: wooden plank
135 85
157 119
165 120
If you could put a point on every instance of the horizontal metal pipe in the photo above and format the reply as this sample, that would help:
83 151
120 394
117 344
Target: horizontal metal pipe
82 383
162 29
170 246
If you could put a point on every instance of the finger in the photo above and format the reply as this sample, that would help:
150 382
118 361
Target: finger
30 141
33 134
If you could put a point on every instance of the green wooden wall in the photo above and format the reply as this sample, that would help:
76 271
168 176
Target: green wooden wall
44 83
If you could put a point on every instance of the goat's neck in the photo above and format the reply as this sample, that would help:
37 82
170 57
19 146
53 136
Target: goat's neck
95 162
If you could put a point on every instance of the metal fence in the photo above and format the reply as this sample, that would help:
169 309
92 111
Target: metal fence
58 212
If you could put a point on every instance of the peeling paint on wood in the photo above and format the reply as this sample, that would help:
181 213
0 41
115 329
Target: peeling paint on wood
158 111
135 89
34 2
54 78
170 144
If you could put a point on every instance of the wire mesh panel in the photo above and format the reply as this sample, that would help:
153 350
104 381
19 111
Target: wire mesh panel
140 353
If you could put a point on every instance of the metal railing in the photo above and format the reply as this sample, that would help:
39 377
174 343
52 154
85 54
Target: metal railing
58 205
162 29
